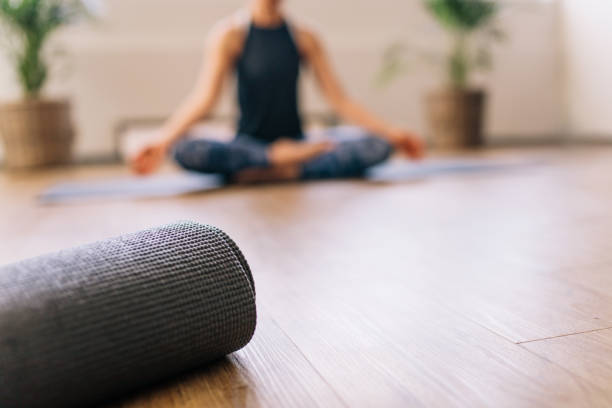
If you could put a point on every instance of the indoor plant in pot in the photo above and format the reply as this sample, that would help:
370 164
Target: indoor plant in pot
455 113
36 131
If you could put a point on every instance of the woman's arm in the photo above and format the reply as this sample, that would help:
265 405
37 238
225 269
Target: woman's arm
313 51
222 48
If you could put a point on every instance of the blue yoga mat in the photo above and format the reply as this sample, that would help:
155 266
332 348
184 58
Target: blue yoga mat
132 187
406 171
186 183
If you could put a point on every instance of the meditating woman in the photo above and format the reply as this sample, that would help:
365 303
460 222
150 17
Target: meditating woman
266 51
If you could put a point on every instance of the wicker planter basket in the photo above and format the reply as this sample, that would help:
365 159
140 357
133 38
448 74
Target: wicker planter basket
456 118
36 133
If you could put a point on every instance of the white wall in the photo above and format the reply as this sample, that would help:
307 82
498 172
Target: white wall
588 67
143 58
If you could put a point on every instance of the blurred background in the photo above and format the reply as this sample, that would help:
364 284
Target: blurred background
549 80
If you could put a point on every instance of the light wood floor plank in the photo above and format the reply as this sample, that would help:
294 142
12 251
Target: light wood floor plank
587 355
414 353
270 371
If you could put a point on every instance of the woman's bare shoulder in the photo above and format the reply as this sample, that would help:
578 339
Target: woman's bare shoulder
229 33
306 37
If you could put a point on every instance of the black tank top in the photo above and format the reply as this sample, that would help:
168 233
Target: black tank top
268 72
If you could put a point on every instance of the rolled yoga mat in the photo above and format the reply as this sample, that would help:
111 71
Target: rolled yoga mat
89 324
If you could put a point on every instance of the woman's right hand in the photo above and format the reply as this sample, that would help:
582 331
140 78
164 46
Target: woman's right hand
149 158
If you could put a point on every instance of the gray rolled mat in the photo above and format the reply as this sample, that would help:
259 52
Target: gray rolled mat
89 324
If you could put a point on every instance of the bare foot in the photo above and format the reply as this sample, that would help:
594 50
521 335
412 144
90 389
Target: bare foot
268 174
288 152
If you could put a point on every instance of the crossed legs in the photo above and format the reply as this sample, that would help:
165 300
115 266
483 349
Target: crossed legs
348 153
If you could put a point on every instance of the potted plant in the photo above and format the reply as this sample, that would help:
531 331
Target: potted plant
36 131
455 113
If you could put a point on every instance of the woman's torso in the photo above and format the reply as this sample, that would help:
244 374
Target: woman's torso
267 71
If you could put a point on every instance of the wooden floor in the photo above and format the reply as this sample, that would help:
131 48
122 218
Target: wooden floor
490 289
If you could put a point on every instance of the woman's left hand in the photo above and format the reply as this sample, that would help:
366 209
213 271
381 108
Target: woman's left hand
407 142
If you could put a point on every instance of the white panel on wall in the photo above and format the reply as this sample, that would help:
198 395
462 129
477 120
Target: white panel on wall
588 67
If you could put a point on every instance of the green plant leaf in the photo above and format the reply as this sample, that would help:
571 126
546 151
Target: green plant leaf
463 18
462 15
31 23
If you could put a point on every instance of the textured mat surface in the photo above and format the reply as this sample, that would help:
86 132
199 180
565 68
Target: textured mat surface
88 324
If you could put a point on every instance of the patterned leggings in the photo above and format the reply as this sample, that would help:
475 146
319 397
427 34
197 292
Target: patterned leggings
356 151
